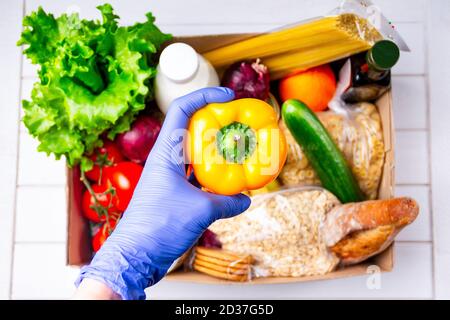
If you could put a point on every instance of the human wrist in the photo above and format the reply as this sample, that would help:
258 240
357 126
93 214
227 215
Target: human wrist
93 289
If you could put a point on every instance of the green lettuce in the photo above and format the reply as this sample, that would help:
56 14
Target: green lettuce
94 78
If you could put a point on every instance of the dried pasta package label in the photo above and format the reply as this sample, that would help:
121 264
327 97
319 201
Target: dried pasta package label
281 231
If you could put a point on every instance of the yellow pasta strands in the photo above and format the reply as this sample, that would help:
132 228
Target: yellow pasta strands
301 46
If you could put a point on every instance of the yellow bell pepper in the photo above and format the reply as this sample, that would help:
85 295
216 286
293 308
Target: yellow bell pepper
236 146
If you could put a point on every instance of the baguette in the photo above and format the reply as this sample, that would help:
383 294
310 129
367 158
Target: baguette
361 245
358 231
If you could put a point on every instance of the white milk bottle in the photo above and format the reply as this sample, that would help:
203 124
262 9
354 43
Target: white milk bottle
180 71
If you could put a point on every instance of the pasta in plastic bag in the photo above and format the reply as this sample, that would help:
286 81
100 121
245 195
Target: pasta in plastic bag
280 233
351 28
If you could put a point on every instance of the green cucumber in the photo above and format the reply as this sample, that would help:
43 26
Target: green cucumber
321 151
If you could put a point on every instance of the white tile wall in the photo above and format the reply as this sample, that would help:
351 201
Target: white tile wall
403 10
420 230
38 214
412 63
6 247
410 101
439 79
36 221
10 17
36 168
40 272
28 71
412 166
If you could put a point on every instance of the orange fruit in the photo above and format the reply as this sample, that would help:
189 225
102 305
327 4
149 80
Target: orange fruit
315 87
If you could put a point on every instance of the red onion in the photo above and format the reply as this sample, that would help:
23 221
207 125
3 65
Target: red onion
248 79
137 143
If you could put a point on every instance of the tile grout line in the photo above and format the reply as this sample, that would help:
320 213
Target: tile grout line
394 75
13 231
414 242
412 130
51 185
32 242
429 142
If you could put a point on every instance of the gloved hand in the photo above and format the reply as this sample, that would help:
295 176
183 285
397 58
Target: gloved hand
166 215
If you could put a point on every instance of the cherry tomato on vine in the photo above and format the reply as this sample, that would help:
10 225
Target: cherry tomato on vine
106 198
104 157
103 233
123 177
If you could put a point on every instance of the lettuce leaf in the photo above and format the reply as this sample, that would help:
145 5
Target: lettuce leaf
94 78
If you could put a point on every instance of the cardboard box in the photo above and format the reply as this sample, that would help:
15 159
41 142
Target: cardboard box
79 250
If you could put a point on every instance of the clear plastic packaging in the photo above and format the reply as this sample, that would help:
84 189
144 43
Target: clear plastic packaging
278 236
356 130
367 10
353 27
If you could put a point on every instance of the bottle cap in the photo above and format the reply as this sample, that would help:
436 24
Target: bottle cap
384 54
178 61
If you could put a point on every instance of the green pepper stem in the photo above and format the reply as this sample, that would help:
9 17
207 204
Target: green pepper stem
236 142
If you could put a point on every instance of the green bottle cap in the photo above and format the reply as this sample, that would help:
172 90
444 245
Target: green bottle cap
384 54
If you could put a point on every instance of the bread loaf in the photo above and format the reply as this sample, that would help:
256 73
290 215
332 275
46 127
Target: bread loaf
357 231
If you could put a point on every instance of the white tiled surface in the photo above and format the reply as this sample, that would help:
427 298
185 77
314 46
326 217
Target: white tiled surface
439 93
411 157
410 101
36 168
32 202
10 15
413 62
420 230
40 272
38 214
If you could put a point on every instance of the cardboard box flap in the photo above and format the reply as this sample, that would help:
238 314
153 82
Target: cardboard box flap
209 42
79 250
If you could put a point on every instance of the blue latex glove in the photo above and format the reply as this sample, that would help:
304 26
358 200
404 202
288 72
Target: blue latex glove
166 215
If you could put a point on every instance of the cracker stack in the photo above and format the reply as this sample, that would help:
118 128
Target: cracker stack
223 264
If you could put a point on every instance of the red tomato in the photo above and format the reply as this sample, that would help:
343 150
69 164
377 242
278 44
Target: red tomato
123 177
106 200
103 233
103 157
